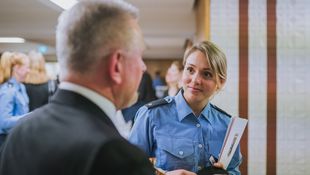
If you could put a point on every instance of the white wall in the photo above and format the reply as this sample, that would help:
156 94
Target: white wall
293 108
293 80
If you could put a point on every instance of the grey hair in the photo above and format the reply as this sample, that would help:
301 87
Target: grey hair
90 28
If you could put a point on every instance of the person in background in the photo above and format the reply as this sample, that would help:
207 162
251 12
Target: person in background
13 97
159 85
173 78
99 48
157 81
146 94
38 85
1 71
186 130
146 90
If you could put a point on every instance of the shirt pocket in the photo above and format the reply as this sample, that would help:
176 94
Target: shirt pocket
175 153
215 148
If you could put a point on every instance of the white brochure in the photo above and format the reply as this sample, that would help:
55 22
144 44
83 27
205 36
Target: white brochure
232 138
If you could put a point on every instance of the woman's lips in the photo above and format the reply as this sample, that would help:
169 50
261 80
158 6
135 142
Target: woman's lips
194 89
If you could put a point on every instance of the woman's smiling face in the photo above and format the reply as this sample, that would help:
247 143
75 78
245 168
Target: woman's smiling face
199 80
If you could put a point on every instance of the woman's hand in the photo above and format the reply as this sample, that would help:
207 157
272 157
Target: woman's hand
218 165
180 172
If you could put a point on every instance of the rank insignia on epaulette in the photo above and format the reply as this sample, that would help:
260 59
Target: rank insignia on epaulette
156 103
10 85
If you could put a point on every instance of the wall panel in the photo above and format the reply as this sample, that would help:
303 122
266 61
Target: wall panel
257 87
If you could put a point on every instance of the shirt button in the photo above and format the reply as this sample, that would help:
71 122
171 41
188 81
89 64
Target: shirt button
198 125
200 145
181 153
199 167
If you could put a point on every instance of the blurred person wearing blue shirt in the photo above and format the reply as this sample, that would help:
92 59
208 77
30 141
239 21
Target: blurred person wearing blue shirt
186 130
157 81
14 100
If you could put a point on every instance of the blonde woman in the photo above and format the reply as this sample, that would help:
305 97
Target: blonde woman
13 97
37 73
173 78
186 131
1 72
38 85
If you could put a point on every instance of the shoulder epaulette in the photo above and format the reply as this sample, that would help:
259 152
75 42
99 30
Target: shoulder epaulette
156 103
220 110
10 84
7 85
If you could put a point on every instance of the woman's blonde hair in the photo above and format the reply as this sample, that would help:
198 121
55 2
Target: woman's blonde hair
215 57
1 71
178 64
8 61
37 73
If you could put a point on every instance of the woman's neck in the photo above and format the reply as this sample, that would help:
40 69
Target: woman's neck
17 77
172 91
197 107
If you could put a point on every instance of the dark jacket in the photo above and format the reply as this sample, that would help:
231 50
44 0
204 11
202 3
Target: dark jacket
38 95
146 94
70 136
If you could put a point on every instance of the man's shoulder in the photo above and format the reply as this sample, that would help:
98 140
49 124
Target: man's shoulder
133 160
65 123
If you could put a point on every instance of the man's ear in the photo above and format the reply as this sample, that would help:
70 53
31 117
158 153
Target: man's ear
116 67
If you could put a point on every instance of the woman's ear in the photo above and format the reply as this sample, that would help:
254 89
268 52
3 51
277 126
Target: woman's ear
115 67
221 84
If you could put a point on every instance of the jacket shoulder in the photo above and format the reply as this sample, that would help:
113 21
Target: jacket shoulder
7 88
159 102
220 110
7 85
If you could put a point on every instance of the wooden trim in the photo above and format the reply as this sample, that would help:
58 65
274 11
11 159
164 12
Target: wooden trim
207 19
202 8
271 88
243 77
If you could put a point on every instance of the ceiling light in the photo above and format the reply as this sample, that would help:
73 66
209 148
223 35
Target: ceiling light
64 4
11 40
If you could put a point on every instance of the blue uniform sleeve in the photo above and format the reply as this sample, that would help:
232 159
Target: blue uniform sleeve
7 124
141 134
6 110
233 167
7 96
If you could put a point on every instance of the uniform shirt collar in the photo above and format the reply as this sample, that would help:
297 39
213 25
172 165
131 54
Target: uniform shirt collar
18 86
104 104
184 109
14 82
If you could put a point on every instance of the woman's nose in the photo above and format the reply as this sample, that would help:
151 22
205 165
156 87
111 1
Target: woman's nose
196 78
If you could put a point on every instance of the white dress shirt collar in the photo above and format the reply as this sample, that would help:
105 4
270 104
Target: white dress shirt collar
104 104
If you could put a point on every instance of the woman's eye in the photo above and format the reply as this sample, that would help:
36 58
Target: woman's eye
190 69
208 74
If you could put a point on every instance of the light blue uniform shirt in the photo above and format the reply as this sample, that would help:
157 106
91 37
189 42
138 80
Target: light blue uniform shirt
14 103
180 140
